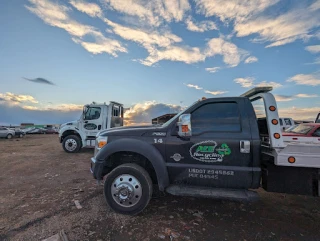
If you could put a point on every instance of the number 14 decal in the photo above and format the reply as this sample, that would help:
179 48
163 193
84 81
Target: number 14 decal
158 140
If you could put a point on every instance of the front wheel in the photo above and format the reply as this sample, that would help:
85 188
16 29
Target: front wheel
128 189
71 144
9 136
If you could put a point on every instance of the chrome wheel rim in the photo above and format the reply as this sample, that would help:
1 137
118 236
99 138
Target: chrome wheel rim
70 144
9 136
126 190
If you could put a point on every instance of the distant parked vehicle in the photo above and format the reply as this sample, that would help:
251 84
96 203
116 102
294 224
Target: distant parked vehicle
19 133
51 131
286 123
37 131
6 133
303 130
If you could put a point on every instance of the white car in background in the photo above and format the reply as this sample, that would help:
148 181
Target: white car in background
6 133
285 123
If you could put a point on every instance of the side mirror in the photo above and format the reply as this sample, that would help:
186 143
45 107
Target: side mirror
184 125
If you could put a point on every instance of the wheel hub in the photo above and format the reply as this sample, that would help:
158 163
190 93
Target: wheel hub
126 190
71 144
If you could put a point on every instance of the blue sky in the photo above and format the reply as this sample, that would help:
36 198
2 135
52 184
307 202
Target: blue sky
159 54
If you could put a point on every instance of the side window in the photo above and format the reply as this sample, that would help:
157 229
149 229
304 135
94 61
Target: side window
2 129
317 132
287 121
93 113
116 111
216 117
281 123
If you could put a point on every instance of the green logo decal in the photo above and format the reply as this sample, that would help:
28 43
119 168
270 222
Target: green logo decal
208 151
224 150
205 149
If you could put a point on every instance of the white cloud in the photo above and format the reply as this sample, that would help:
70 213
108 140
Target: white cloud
300 113
184 54
144 112
213 69
238 10
231 54
305 79
57 16
91 9
194 86
279 30
251 59
245 82
152 12
292 97
202 26
29 102
250 82
265 83
103 44
148 39
281 98
162 45
172 10
218 92
16 99
313 49
306 96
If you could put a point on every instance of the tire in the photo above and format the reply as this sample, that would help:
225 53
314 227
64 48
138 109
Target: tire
140 186
20 136
71 144
9 136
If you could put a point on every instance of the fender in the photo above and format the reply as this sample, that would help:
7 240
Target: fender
72 128
142 148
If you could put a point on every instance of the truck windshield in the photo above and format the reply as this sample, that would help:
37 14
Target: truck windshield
300 129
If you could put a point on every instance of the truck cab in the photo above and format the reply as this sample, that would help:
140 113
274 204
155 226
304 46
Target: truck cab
95 117
218 148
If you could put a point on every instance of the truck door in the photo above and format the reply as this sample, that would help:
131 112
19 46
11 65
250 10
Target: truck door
218 152
92 121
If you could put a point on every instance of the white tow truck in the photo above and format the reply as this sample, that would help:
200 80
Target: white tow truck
95 117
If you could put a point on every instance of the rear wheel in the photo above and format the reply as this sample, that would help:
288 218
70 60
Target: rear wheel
71 144
128 189
9 136
20 136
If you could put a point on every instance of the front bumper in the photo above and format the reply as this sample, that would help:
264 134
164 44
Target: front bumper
96 169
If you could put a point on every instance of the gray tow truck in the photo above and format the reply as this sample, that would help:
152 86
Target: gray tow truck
216 148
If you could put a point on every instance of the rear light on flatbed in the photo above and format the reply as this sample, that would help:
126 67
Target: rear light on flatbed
276 135
291 159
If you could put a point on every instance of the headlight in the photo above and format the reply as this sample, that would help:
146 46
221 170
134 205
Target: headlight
101 141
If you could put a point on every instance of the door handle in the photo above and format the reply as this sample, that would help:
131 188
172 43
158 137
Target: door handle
245 146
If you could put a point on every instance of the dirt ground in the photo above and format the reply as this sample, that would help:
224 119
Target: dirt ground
39 183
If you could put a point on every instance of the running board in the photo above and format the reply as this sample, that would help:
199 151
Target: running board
241 195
